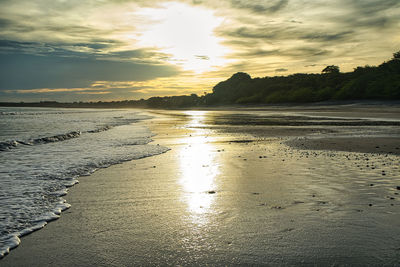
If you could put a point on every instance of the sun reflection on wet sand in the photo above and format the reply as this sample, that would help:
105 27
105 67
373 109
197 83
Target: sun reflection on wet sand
198 167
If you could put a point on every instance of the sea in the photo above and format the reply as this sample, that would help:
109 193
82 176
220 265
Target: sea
43 152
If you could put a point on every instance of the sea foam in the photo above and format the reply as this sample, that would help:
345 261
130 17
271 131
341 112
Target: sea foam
54 148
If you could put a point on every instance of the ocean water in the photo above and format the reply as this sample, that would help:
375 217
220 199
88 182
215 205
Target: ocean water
43 152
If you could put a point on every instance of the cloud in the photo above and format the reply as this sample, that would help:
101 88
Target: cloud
94 93
74 46
258 6
251 32
281 70
60 49
372 7
282 32
327 37
202 57
148 55
46 90
15 26
306 51
257 53
28 71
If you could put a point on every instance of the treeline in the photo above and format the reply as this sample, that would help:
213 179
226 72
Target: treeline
364 83
153 102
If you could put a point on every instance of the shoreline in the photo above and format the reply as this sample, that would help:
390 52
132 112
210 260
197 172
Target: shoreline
304 105
142 211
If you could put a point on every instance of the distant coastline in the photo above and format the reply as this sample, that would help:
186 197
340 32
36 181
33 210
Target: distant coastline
122 105
368 83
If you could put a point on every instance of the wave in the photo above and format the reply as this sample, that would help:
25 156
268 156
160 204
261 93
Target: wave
46 112
33 184
101 129
12 240
24 113
7 145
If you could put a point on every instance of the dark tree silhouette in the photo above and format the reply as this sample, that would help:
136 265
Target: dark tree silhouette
396 55
331 69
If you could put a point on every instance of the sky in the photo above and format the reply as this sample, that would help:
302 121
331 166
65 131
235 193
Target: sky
103 50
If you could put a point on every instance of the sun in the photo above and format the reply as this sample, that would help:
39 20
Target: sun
186 33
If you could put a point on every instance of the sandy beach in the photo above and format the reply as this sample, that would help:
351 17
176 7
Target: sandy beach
287 187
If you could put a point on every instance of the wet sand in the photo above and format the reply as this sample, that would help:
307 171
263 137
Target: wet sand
380 145
228 193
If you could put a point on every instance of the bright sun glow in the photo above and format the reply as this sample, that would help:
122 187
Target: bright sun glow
198 167
186 33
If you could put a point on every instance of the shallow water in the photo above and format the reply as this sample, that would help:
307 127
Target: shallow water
44 151
224 196
243 199
293 207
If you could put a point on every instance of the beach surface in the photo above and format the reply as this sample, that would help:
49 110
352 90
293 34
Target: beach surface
287 187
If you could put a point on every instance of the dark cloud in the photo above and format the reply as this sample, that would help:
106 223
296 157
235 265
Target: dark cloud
14 44
281 70
83 50
236 42
306 52
379 21
366 14
260 6
94 46
250 33
140 54
371 7
8 46
279 32
67 69
258 53
293 53
61 49
73 30
5 23
327 37
14 25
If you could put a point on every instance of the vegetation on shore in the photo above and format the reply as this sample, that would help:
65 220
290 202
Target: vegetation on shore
364 83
